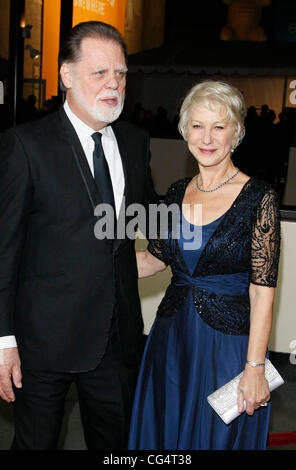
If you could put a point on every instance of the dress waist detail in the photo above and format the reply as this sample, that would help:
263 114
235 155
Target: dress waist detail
229 284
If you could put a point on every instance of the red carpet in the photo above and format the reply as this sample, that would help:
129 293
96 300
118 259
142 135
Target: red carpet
281 438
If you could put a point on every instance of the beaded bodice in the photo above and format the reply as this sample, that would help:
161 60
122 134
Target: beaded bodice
243 248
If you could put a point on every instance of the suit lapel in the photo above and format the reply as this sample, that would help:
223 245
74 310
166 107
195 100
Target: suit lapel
125 161
80 159
127 179
83 166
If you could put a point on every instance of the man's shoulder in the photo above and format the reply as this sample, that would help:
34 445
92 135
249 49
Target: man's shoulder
38 125
41 134
126 127
43 128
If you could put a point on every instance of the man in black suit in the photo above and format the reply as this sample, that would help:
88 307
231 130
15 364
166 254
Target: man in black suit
69 304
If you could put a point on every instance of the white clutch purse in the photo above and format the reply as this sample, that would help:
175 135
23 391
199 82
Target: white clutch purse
224 399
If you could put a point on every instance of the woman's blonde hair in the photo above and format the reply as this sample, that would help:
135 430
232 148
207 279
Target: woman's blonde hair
209 93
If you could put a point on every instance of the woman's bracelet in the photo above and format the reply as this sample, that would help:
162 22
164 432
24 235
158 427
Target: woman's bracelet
255 364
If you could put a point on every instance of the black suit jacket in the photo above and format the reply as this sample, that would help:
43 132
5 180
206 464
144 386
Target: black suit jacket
59 284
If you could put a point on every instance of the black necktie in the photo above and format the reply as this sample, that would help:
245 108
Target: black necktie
101 172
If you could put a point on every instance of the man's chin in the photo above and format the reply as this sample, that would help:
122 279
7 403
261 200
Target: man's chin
108 117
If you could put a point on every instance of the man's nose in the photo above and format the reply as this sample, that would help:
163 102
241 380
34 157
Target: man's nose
112 82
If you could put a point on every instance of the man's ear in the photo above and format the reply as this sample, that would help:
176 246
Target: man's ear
66 72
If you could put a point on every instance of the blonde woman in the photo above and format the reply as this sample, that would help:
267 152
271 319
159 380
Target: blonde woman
216 316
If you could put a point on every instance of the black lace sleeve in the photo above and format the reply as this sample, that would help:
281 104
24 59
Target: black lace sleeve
159 246
155 247
265 242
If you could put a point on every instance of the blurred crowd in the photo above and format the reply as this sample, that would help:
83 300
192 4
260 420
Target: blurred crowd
264 151
158 125
28 110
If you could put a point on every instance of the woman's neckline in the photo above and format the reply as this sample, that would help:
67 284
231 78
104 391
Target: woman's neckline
222 215
204 225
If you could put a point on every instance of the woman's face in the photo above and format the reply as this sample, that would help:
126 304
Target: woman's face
210 135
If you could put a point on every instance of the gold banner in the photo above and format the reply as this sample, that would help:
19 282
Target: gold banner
50 51
108 11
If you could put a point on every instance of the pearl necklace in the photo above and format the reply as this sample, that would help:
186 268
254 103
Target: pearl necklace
220 185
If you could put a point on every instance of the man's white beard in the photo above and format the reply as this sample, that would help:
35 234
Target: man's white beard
106 115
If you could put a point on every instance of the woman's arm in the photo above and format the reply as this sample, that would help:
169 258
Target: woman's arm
147 264
265 252
253 383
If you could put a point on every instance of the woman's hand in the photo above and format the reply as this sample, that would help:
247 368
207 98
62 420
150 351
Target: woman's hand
253 389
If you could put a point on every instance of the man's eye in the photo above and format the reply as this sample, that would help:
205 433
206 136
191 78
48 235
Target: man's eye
219 127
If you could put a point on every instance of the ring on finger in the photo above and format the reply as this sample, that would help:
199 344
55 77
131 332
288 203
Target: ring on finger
264 404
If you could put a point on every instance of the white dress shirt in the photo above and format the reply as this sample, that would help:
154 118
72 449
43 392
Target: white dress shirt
110 148
113 158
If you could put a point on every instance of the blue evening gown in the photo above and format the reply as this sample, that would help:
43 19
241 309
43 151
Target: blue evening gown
184 361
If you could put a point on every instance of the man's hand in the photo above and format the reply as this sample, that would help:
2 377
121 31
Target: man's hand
10 365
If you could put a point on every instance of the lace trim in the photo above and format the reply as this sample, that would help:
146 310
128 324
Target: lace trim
265 248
